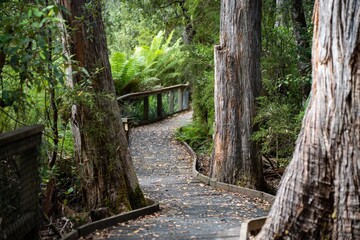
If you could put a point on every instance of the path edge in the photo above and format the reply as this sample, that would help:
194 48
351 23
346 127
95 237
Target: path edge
224 186
88 228
249 224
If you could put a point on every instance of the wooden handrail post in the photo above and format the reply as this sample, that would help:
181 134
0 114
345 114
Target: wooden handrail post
186 99
159 108
171 102
180 99
146 108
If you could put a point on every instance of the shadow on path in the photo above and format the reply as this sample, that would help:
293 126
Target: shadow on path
189 209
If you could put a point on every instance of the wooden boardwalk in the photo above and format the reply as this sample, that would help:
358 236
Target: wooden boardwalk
189 209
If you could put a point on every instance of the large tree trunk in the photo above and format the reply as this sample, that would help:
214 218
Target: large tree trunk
319 197
237 84
104 162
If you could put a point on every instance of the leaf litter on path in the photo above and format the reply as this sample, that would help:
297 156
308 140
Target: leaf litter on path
189 208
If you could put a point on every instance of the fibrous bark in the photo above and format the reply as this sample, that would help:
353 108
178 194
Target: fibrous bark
319 196
237 84
105 167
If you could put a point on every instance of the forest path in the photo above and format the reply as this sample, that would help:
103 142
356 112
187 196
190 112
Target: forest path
189 209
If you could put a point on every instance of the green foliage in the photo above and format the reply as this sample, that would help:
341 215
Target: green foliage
281 108
133 23
203 99
67 181
126 73
279 116
157 64
279 53
24 42
205 19
142 57
279 124
32 79
201 72
139 18
197 136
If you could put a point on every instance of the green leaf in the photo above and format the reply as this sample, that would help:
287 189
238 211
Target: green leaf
69 191
5 38
37 13
14 60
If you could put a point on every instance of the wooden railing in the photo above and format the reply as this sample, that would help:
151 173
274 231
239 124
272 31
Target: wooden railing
20 183
151 106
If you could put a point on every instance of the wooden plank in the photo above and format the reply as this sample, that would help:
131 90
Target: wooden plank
153 92
21 133
146 108
180 99
171 102
159 106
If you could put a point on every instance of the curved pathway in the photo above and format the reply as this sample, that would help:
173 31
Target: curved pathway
189 209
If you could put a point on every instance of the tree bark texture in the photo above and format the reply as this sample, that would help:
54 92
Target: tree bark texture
237 84
105 167
319 196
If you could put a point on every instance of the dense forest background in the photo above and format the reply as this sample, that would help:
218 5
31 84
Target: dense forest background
152 44
63 64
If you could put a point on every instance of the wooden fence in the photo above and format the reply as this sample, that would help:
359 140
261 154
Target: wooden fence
20 183
150 106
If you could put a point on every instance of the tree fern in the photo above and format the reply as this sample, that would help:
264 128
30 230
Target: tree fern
149 66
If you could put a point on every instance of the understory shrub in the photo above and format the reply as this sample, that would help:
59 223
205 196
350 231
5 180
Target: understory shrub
197 136
278 118
159 64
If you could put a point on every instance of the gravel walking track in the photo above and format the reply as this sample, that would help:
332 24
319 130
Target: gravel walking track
189 208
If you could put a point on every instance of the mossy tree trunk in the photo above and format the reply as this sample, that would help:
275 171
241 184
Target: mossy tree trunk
105 167
319 196
237 84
